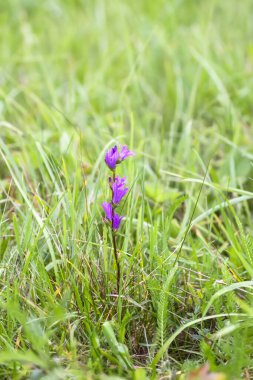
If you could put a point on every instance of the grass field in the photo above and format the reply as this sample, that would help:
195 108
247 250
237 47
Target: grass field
172 80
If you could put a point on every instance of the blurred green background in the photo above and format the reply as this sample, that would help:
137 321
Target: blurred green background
179 71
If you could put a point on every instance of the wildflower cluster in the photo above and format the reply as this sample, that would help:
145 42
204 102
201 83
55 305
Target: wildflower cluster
113 157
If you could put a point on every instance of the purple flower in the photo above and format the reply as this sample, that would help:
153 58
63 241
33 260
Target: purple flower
111 157
118 189
112 215
114 157
108 210
125 153
116 221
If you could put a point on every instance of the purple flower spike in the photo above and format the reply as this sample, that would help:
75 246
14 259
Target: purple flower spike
119 190
125 152
108 212
111 157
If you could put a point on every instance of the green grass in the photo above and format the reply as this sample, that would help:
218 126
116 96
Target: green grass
172 80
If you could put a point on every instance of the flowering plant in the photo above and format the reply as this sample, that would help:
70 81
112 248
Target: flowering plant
113 157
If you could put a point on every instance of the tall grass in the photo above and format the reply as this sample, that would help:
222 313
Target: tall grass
173 80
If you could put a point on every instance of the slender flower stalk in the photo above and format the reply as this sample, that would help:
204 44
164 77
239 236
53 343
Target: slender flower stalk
113 157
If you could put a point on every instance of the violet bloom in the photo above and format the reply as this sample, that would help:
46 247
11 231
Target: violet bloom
110 215
108 210
125 152
116 221
118 189
112 157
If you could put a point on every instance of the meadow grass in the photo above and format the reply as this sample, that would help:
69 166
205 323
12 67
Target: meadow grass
172 80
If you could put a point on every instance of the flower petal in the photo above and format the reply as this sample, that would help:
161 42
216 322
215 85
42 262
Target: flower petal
111 157
119 190
108 210
125 152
